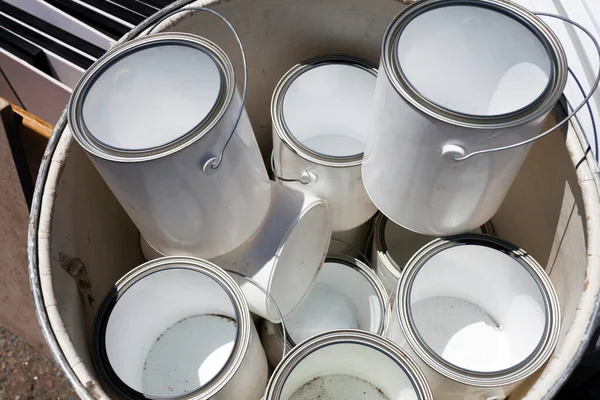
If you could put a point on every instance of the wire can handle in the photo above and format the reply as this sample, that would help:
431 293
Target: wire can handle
458 153
306 177
211 165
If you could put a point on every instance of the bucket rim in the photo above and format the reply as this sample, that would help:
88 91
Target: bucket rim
94 146
538 108
278 121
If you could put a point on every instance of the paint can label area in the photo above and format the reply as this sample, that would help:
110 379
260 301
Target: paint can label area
188 355
337 387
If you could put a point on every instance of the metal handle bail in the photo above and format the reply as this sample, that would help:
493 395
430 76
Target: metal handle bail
460 155
212 164
306 177
271 299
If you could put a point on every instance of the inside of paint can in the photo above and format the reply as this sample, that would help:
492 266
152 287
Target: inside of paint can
341 370
341 298
478 308
152 96
326 108
473 60
299 259
171 332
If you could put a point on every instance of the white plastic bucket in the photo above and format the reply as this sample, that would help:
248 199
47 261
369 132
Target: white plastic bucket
179 328
320 115
283 257
439 100
394 246
346 295
552 208
345 364
152 113
479 314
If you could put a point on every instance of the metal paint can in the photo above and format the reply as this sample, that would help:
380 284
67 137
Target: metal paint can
152 114
394 246
346 295
478 314
320 115
347 364
459 81
285 254
178 327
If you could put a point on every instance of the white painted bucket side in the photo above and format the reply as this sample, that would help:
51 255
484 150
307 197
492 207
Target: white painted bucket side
552 208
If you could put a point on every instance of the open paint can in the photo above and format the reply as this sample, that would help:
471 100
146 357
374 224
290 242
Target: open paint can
320 113
347 364
394 246
158 117
346 295
464 87
285 254
478 314
178 328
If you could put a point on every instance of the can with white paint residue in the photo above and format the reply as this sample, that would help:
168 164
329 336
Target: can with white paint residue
478 314
178 327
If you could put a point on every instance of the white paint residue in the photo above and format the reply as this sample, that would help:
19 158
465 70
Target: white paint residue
463 334
188 355
323 310
337 387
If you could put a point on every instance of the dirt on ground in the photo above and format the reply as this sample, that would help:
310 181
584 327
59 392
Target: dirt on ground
27 374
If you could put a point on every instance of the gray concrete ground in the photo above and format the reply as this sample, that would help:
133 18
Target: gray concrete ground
27 374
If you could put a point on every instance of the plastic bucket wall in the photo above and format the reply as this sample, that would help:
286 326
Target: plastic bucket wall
81 241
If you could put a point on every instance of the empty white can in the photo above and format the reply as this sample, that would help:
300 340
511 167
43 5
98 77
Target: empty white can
457 77
346 295
478 314
156 116
347 364
320 113
178 327
393 247
285 254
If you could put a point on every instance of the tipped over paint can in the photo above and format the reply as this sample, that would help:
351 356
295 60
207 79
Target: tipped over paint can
285 254
180 328
458 82
346 295
157 117
320 115
347 364
394 246
478 314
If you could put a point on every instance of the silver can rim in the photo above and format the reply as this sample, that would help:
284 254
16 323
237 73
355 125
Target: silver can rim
368 274
381 249
508 376
344 336
95 147
278 121
538 108
100 359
